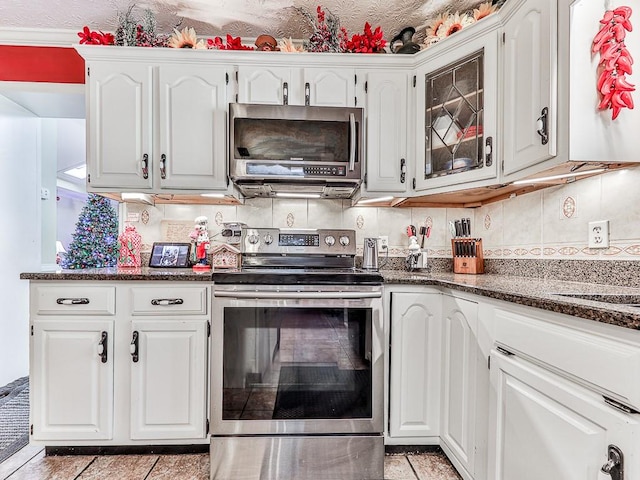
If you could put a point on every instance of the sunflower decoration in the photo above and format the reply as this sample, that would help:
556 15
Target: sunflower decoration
287 45
432 28
454 23
186 38
484 10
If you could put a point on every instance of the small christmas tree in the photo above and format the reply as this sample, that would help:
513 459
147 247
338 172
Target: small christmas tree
95 243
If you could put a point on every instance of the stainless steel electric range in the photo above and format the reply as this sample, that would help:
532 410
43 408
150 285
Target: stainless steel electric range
297 360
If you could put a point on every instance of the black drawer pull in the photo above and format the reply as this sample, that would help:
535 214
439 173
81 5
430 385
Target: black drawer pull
167 301
102 347
72 301
134 346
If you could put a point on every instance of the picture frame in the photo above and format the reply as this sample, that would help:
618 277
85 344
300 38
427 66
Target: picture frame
170 255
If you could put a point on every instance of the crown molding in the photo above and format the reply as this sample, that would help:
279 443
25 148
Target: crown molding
43 37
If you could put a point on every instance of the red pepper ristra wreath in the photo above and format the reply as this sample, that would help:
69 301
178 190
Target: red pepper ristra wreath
615 61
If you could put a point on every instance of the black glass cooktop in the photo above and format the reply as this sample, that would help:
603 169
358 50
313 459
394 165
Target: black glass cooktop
297 276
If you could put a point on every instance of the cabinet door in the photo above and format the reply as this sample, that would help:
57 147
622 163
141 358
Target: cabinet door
193 127
457 101
547 427
72 379
269 85
168 379
386 111
460 348
415 365
329 87
529 59
119 126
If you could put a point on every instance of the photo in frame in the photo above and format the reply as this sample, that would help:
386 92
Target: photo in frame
170 255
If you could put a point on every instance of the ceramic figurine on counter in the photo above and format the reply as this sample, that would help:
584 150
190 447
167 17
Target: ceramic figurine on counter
200 239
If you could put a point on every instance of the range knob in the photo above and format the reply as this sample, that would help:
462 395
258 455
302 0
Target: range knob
268 239
253 239
330 240
344 240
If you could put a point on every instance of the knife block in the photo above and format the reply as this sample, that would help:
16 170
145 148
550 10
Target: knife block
467 255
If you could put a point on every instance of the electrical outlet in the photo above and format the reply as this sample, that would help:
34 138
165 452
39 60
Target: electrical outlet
599 234
384 242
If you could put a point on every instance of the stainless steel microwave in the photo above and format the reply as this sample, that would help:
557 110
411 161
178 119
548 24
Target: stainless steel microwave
286 148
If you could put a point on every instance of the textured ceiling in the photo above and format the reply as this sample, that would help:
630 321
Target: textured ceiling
246 18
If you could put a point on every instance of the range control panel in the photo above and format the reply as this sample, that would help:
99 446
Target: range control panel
270 241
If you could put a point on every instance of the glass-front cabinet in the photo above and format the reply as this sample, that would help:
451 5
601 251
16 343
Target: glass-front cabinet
456 122
453 118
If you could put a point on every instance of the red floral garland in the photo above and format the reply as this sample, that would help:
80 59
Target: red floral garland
95 38
615 61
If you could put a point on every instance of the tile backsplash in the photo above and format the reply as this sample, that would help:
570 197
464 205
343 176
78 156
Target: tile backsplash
547 224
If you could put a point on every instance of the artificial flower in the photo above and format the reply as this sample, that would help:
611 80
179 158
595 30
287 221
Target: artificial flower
432 28
454 23
368 42
95 38
327 34
232 44
484 10
187 38
287 45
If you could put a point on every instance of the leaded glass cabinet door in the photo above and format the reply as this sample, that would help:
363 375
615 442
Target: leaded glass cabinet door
454 117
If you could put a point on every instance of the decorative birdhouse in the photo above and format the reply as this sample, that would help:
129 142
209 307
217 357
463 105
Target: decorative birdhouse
225 256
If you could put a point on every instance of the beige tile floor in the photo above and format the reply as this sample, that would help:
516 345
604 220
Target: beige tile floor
30 463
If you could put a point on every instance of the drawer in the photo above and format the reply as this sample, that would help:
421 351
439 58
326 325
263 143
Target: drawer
169 301
73 300
608 365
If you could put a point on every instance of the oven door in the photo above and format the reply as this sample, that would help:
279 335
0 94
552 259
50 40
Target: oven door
297 360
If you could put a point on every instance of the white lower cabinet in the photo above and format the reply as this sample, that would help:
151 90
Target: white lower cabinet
546 427
72 379
460 371
168 370
415 338
95 382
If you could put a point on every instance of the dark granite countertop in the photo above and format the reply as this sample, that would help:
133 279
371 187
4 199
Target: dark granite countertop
602 303
114 273
535 292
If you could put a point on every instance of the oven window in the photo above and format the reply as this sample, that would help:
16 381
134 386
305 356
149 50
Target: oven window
296 363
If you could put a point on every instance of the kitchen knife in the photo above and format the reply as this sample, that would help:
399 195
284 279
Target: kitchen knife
463 223
458 226
452 229
468 227
473 248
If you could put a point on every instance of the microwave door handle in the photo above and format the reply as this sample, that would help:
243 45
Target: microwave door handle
352 150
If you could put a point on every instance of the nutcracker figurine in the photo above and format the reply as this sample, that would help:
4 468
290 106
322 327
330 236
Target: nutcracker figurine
200 240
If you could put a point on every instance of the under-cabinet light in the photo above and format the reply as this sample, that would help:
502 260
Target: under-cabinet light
212 195
374 200
556 177
297 195
136 197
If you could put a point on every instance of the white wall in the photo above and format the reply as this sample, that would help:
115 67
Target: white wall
48 174
20 233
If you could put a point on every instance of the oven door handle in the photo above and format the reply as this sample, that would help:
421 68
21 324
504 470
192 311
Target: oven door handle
309 295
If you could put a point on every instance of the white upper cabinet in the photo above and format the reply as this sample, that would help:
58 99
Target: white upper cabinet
386 104
529 85
457 111
279 85
192 127
119 126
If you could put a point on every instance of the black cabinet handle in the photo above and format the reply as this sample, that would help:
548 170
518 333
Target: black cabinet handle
134 346
488 151
285 93
163 166
145 166
167 301
403 170
543 128
102 347
72 301
307 94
